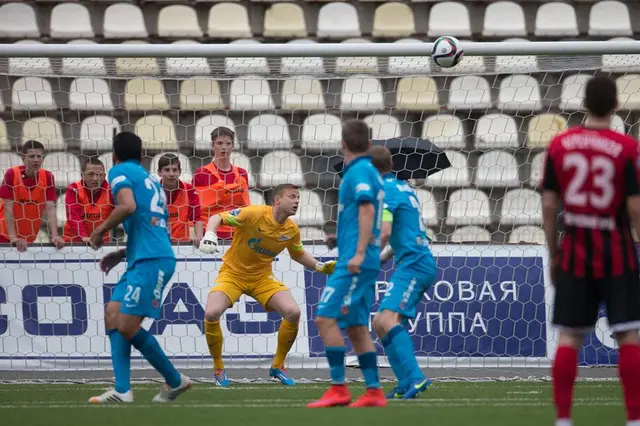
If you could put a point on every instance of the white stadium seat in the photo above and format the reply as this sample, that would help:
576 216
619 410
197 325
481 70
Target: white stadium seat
383 126
229 20
572 95
178 20
393 19
519 93
284 20
311 233
302 93
200 93
64 166
83 66
242 161
428 207
356 64
302 65
527 234
496 131
158 133
32 93
310 209
70 20
7 161
338 21
107 160
250 93
456 175
268 132
469 92
205 125
556 19
468 207
449 18
280 167
90 94
536 169
609 18
61 212
418 93
497 169
96 133
516 64
521 207
145 94
470 234
256 198
18 19
445 130
124 20
504 19
136 66
46 130
321 132
4 138
361 93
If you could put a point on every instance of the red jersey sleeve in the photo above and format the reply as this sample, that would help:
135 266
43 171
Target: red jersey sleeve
50 191
202 177
6 190
74 211
243 173
194 204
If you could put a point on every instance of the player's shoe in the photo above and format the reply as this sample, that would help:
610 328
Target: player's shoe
221 378
415 388
168 394
371 398
282 375
112 397
336 396
396 393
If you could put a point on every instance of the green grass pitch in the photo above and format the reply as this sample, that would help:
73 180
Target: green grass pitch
444 404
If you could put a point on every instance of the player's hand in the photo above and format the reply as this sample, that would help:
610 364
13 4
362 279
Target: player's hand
331 241
209 243
20 243
197 241
110 260
86 240
326 267
96 240
58 241
354 264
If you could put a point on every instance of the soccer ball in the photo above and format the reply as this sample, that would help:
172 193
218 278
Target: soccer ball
447 52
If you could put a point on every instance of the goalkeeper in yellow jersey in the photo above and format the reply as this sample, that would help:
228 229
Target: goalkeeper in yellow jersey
261 233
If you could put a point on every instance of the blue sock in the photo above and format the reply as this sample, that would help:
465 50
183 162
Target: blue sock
394 358
369 367
121 360
404 348
151 350
335 357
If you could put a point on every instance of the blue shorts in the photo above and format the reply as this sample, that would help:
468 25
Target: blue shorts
407 285
348 297
140 287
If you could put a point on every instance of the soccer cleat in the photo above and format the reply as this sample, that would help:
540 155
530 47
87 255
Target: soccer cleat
371 398
416 388
221 378
112 397
396 393
168 394
336 396
282 375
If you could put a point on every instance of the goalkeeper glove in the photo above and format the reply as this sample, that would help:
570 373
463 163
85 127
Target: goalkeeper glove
209 243
326 267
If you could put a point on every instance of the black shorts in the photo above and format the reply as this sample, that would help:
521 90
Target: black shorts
578 300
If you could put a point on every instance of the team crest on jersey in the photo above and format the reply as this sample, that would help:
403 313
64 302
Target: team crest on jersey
284 238
234 212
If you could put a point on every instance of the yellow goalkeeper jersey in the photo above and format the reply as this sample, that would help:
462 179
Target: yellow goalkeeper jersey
258 239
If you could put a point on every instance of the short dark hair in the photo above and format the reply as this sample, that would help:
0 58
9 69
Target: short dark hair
31 144
222 132
282 188
381 158
356 136
127 146
167 160
600 96
91 162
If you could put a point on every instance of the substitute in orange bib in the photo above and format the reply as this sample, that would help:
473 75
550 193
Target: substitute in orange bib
221 185
88 203
28 192
183 202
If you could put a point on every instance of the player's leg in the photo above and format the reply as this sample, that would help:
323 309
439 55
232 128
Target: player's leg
383 322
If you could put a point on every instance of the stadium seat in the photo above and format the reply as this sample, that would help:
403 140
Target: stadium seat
528 235
409 64
43 236
302 93
521 207
30 66
445 130
255 65
267 132
4 138
242 161
621 63
470 234
310 211
157 133
90 94
83 66
107 160
383 126
284 20
124 20
9 160
185 165
450 18
96 133
200 93
46 130
302 65
361 93
428 207
229 20
542 128
469 92
250 93
64 166
142 95
338 21
205 125
311 233
468 207
516 64
496 131
136 66
61 211
321 132
178 20
504 19
70 20
33 94
280 167
617 124
358 64
18 19
256 198
393 20
417 94
536 169
187 66
629 91
572 95
469 65
497 169
519 93
456 175
609 18
556 19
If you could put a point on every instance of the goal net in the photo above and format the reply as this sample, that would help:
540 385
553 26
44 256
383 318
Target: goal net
493 116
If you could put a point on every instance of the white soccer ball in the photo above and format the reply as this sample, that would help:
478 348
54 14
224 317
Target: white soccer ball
447 52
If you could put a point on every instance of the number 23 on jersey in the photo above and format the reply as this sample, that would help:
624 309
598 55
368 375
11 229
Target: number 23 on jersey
592 183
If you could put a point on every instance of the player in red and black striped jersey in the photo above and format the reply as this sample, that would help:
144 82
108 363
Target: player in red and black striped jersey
593 172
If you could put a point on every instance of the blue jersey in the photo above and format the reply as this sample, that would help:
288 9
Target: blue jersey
361 183
146 228
408 234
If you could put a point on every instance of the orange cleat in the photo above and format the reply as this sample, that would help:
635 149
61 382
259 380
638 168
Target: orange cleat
371 398
336 396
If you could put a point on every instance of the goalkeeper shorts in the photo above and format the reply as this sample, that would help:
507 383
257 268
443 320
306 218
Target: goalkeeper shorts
261 288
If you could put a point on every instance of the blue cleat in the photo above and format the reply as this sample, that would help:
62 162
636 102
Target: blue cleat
221 378
281 374
396 393
416 388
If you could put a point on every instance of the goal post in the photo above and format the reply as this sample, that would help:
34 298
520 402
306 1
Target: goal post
493 114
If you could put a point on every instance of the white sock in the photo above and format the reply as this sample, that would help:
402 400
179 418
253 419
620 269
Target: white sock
566 422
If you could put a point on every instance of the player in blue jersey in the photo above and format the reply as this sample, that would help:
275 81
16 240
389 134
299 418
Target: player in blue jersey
403 229
347 298
141 206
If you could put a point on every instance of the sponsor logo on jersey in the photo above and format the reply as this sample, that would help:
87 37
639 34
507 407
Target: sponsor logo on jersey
254 245
90 216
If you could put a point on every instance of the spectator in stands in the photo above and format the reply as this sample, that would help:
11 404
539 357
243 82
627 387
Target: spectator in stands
88 203
28 192
221 185
183 202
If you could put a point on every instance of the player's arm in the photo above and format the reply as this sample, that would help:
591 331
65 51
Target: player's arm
50 212
390 205
236 218
303 257
550 204
121 187
195 215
